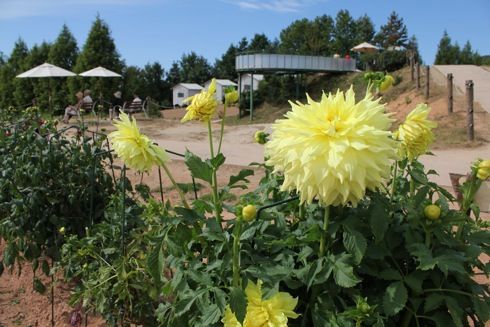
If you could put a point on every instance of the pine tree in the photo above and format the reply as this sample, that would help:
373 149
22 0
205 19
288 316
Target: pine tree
99 50
225 66
393 34
444 51
173 75
40 86
467 57
153 82
20 89
63 53
260 43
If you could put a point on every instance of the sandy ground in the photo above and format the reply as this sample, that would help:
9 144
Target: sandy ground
20 306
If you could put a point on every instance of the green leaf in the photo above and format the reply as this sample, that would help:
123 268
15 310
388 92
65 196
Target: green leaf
455 311
38 285
415 280
240 177
481 307
343 272
356 244
238 303
211 315
217 161
433 301
156 262
441 319
379 221
314 269
395 297
198 168
390 274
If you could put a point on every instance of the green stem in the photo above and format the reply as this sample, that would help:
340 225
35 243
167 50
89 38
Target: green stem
236 252
393 185
210 133
449 291
323 240
222 128
407 317
214 181
427 238
169 174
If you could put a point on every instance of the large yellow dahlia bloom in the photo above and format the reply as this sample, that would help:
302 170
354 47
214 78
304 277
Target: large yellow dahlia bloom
229 319
135 149
273 312
483 170
334 149
415 134
203 105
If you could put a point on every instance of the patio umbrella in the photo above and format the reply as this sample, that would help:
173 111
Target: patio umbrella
365 47
100 72
46 70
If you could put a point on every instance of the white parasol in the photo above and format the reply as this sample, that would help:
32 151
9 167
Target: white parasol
100 72
365 47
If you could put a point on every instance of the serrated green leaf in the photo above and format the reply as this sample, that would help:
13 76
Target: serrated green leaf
155 262
455 311
379 221
238 303
343 272
217 161
356 244
415 280
313 270
395 297
198 168
211 315
441 319
242 176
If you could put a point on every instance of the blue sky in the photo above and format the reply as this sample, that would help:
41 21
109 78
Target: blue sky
162 30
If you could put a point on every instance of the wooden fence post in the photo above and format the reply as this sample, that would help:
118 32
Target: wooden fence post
427 81
470 127
417 66
449 93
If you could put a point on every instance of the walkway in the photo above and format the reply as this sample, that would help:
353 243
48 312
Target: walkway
462 73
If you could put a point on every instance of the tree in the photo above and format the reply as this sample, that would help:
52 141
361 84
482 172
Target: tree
225 66
413 46
394 33
152 78
99 50
447 54
364 29
344 33
18 90
63 53
131 82
293 38
320 38
194 68
173 75
260 43
468 57
40 86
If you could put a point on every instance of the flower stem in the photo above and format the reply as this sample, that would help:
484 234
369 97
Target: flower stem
169 174
210 133
222 128
393 185
214 181
323 240
236 252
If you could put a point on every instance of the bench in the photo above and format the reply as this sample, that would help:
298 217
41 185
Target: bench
131 108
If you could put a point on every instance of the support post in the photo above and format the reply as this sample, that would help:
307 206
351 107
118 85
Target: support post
427 81
239 94
449 93
297 86
251 96
470 126
417 66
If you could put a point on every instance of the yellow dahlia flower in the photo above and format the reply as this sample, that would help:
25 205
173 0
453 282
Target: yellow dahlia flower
334 149
135 149
203 105
229 319
273 312
483 170
415 133
386 83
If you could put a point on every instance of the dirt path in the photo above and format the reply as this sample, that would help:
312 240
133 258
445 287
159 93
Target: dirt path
462 73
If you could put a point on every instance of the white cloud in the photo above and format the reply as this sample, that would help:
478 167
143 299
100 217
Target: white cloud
282 6
11 9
